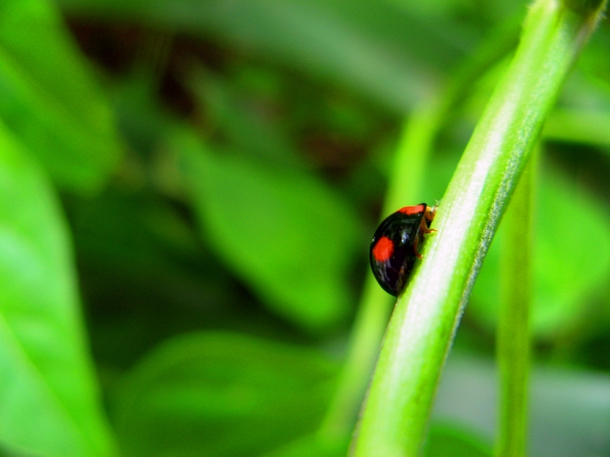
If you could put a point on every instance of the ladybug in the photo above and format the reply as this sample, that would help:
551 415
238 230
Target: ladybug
395 245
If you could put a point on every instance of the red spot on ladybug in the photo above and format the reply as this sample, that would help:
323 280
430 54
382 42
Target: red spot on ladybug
383 249
395 246
412 210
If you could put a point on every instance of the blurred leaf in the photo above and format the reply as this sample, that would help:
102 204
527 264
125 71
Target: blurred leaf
140 116
283 231
146 276
49 99
311 445
135 234
571 265
571 259
377 49
450 441
221 394
247 129
579 126
582 116
48 395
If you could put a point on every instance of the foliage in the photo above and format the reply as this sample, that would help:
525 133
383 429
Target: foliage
187 192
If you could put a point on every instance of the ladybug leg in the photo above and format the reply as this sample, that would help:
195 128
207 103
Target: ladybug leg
423 226
423 229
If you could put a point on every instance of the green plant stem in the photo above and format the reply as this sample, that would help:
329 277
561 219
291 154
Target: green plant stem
405 185
363 349
420 333
373 314
513 329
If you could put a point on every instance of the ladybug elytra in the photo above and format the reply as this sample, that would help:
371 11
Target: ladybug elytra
395 245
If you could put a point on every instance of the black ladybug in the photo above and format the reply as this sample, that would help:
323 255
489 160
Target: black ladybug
395 244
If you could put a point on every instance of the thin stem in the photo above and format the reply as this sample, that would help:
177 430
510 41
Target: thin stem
363 349
513 329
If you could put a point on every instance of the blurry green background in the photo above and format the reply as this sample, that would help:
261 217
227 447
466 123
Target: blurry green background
187 192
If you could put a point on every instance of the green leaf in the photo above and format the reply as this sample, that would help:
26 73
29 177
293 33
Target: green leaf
381 50
581 125
221 394
283 231
49 99
243 126
48 395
